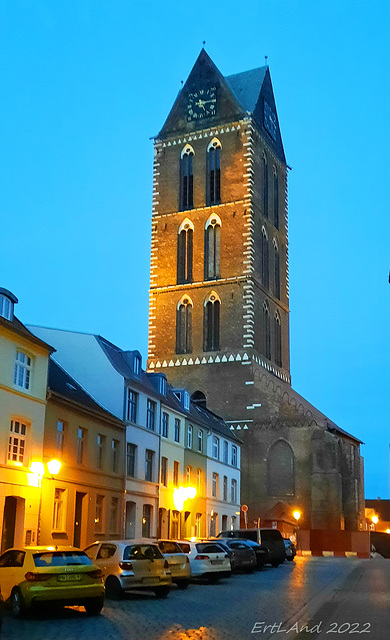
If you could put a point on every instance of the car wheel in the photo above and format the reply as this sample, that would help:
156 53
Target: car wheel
162 592
18 607
94 606
182 584
114 590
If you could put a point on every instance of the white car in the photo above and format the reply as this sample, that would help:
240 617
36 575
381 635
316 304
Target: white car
131 564
207 560
178 561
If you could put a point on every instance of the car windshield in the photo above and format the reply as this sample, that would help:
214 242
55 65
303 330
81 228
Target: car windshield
61 558
185 547
142 552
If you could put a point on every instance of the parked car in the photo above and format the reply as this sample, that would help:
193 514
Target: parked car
131 564
178 561
290 550
207 559
261 553
242 556
64 575
270 539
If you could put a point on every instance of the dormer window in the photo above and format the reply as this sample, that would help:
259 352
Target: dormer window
137 365
7 301
162 386
184 398
22 370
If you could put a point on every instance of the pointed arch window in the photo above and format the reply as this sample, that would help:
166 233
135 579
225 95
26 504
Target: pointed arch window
265 185
184 325
276 199
185 251
280 463
186 178
214 172
264 258
278 339
211 323
212 243
266 332
276 270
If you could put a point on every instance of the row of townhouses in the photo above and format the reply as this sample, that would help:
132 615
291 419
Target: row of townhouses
93 447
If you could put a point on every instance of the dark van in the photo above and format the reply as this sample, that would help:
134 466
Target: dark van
271 539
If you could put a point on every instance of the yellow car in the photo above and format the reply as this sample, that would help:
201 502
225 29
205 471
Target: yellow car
64 576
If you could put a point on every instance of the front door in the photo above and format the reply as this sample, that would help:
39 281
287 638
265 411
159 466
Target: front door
78 516
8 535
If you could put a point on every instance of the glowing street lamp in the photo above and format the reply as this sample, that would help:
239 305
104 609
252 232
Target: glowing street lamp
297 515
54 467
375 519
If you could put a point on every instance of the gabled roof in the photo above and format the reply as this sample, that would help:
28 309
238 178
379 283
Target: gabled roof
19 328
246 87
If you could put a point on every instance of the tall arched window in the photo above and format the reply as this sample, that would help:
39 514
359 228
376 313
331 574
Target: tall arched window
211 322
214 172
278 339
264 258
184 252
276 270
276 199
266 332
211 249
186 178
184 325
265 185
280 463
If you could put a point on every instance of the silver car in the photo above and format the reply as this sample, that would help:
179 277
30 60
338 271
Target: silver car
131 564
178 561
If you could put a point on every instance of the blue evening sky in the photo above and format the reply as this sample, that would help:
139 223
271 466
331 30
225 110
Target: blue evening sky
86 83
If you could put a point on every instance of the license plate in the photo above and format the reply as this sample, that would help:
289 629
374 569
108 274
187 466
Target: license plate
216 561
151 580
69 577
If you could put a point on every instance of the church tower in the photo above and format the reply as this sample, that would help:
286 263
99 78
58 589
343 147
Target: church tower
219 298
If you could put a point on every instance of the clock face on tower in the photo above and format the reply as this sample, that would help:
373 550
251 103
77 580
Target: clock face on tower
202 104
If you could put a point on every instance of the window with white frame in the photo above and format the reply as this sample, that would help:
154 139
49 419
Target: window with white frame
132 405
225 488
146 520
101 446
234 455
233 491
164 424
59 509
22 371
177 430
149 457
200 440
60 436
81 443
216 447
137 365
151 415
164 471
99 514
198 525
225 452
189 436
176 471
6 307
17 442
188 476
199 481
131 459
214 486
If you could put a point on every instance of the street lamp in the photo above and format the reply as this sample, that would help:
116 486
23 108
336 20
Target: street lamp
297 515
38 470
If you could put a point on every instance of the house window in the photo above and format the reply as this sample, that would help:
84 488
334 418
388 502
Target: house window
211 323
114 515
233 492
184 326
225 452
186 178
177 430
211 249
224 523
198 525
22 371
188 476
132 405
164 471
6 307
199 481
146 520
214 486
60 436
234 455
276 271
115 455
59 510
162 385
214 172
225 488
200 440
101 444
185 251
99 514
175 525
151 415
278 339
265 186
276 199
164 425
176 469
266 332
17 442
233 523
137 365
189 436
131 457
215 447
264 258
149 456
81 438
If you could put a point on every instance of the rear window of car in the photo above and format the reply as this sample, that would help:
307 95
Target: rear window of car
271 535
209 548
169 547
61 559
142 552
185 547
238 545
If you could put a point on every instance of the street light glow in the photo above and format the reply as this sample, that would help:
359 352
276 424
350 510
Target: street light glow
54 466
375 519
297 515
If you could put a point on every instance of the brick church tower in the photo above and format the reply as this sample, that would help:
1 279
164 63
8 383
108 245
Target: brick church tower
219 298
